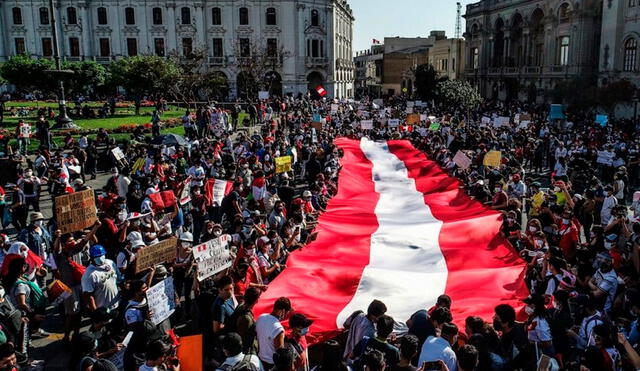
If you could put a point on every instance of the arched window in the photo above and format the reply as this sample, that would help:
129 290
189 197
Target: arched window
315 18
44 15
244 16
17 15
129 16
271 16
72 15
630 53
563 12
216 16
185 15
156 14
102 16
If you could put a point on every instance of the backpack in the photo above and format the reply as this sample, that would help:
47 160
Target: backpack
244 365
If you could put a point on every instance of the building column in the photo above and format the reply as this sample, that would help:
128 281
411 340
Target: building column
200 39
86 52
171 41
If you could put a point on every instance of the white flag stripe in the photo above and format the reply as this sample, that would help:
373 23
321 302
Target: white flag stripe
406 269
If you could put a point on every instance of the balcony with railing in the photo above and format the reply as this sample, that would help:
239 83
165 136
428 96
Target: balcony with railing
311 62
73 59
217 61
103 59
511 71
556 70
495 71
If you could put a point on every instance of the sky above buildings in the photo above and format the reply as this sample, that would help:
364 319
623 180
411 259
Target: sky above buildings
377 19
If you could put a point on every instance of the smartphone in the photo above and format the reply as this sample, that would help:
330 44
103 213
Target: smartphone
434 365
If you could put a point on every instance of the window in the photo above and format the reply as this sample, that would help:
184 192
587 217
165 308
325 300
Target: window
156 14
105 48
315 18
272 48
132 46
47 47
630 53
271 16
158 46
632 3
475 60
245 48
102 16
72 16
315 48
17 15
74 47
218 51
19 43
44 15
563 13
563 55
244 16
185 15
129 16
216 16
187 46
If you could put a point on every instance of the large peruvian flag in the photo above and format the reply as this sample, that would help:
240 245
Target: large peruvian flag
399 230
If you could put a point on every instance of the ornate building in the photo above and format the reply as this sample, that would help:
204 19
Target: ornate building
316 35
520 49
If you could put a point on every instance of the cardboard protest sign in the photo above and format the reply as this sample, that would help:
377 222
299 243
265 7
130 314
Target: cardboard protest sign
161 300
366 124
413 118
283 164
525 117
212 257
262 95
76 211
394 123
462 160
435 126
317 125
493 159
150 256
117 153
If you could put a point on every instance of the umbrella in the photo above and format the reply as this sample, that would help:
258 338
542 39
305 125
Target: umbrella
170 140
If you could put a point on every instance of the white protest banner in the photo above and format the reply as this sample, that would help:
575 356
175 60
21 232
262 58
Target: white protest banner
410 104
212 257
605 158
334 108
524 124
420 103
219 188
161 300
486 120
185 195
409 110
366 124
394 123
462 160
423 117
501 121
262 95
117 153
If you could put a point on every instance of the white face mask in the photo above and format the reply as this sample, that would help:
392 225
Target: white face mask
2 293
100 260
251 252
510 220
529 310
539 243
186 245
556 189
24 253
39 223
532 229
566 221
28 174
608 245
217 233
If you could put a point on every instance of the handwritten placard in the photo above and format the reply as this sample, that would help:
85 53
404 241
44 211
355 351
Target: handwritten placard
462 160
76 211
283 164
117 153
161 299
150 256
366 124
394 123
212 257
493 159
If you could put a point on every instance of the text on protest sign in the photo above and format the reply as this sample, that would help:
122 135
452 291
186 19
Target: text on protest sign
150 256
185 195
366 124
212 257
462 160
218 191
493 159
262 95
394 123
25 131
334 108
283 164
161 300
117 153
76 211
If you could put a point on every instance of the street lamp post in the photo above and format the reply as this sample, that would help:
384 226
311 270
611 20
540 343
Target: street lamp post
63 121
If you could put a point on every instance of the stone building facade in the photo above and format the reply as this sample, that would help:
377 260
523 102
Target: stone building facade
520 49
316 34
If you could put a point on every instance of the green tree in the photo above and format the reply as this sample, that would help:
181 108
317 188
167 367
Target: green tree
577 94
29 74
140 75
86 75
614 93
196 81
426 82
458 94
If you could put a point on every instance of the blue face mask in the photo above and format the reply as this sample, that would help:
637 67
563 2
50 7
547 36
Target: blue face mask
304 331
100 260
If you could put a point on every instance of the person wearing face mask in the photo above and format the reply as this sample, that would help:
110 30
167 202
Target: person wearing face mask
608 204
270 332
568 235
514 344
604 283
36 236
183 272
30 185
297 341
500 199
198 211
511 228
100 281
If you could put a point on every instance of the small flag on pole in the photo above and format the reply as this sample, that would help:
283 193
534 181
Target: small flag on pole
321 91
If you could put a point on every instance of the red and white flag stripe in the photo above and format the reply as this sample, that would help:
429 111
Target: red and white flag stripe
399 230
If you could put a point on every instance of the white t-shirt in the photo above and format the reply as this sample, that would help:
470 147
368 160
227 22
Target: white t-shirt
541 331
268 327
102 283
232 361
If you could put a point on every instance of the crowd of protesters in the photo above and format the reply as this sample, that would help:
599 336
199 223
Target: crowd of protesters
565 189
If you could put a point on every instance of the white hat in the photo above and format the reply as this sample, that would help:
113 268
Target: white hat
135 238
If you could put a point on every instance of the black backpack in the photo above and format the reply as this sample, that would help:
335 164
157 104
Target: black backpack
244 365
